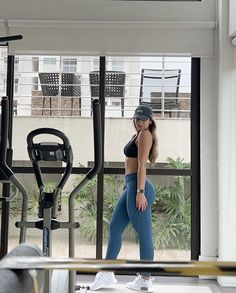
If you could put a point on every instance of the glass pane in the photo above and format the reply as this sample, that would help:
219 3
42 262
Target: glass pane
3 78
171 218
150 80
3 70
169 78
84 214
72 114
44 92
67 109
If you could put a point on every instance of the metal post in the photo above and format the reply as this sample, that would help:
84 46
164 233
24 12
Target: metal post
100 182
6 186
195 159
47 246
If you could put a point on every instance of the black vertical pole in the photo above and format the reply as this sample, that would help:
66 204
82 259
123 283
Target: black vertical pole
6 186
195 159
100 182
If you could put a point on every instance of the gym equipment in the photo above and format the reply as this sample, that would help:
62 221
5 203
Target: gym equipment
8 150
6 173
94 265
48 201
20 280
10 38
191 268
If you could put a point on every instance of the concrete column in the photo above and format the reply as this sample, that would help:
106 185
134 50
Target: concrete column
209 190
226 142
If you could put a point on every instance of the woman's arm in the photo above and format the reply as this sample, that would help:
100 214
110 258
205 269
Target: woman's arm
144 145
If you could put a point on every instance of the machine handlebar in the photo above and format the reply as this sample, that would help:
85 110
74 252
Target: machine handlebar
5 169
97 132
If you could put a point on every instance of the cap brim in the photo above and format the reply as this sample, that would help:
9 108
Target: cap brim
140 117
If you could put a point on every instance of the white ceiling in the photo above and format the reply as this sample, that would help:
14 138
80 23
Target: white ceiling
106 10
103 27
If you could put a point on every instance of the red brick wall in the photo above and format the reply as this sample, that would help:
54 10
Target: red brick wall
60 106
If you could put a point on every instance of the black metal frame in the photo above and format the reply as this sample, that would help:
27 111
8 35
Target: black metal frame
194 172
100 181
107 170
195 159
6 186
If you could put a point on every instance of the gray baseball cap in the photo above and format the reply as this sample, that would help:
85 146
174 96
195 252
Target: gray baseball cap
143 112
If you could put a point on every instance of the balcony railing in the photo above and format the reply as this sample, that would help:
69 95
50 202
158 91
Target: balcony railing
45 89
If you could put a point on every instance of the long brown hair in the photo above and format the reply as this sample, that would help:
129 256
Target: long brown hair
154 149
153 153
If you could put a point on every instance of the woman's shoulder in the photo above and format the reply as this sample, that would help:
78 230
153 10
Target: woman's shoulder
145 134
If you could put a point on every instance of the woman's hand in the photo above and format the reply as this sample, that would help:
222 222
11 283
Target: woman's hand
141 202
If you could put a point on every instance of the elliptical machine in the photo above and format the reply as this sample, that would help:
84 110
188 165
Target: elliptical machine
6 173
48 201
15 280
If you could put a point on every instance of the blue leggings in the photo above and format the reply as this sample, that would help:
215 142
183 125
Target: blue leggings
125 211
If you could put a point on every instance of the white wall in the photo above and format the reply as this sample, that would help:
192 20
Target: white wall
172 136
209 190
79 132
232 18
226 143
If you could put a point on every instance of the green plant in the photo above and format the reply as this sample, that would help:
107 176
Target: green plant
33 195
172 211
87 204
15 204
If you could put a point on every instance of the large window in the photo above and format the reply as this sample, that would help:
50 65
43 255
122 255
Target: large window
49 61
57 92
3 70
69 65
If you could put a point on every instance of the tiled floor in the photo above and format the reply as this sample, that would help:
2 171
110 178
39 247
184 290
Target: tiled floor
120 288
162 289
163 285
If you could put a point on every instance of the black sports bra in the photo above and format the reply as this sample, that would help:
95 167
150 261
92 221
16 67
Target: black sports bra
131 149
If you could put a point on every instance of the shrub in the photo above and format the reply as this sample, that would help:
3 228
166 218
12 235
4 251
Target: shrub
171 210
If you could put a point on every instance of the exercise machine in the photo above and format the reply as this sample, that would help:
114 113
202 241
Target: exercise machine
48 201
14 281
21 280
6 186
6 173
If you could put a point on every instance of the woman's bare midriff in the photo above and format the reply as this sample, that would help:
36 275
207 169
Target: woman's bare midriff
131 165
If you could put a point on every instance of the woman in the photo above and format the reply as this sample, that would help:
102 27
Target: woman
134 204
